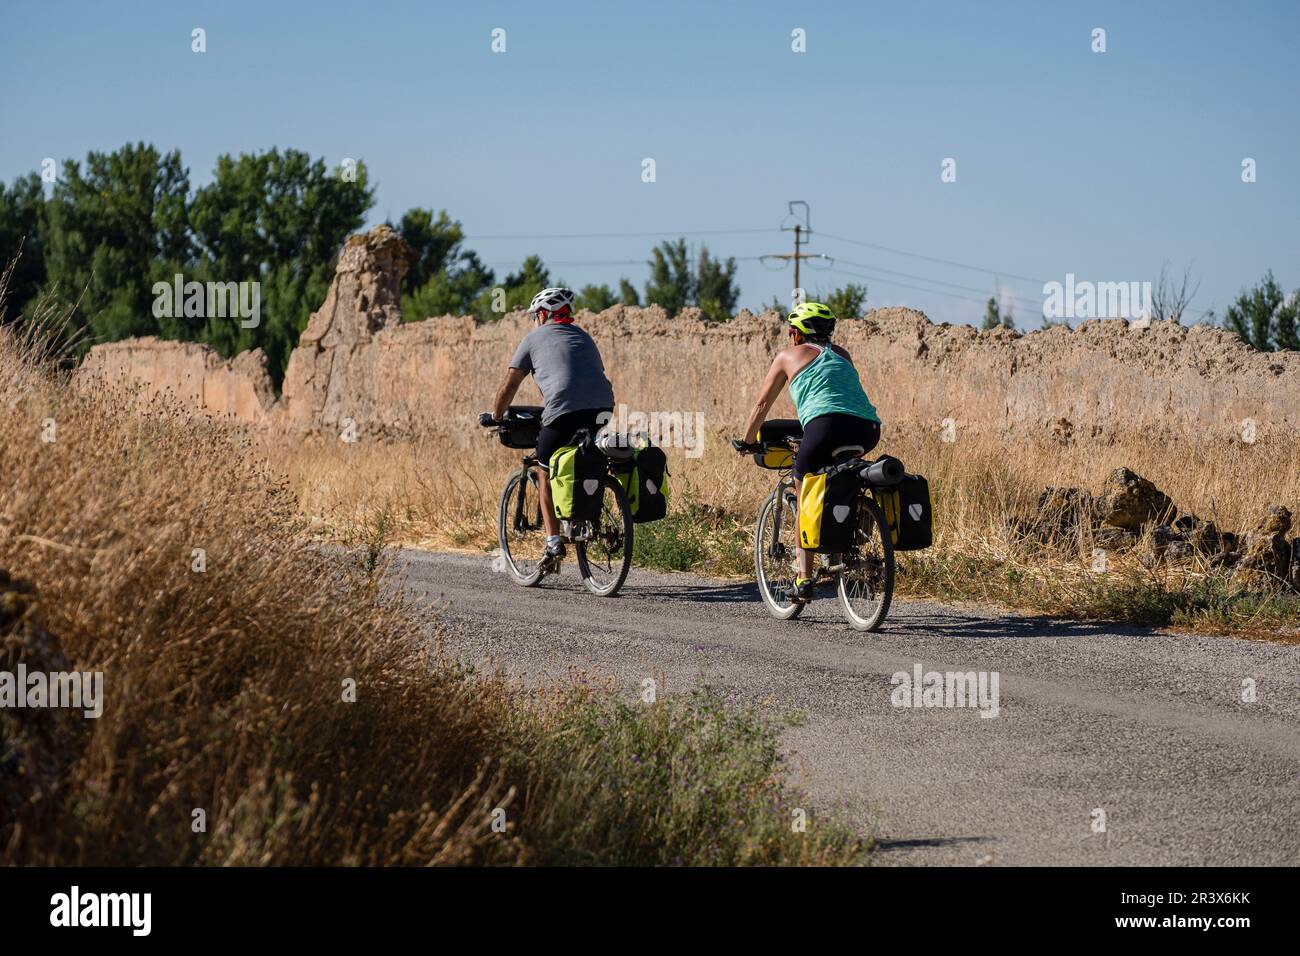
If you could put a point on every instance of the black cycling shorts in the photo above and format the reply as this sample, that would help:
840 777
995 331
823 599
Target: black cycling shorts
825 433
560 432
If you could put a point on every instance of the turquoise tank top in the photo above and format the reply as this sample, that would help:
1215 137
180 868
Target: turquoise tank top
829 384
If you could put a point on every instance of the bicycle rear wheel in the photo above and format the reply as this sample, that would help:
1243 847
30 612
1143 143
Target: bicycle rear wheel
775 557
866 585
520 531
606 555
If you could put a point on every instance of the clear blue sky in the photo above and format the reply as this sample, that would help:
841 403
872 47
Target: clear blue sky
1104 165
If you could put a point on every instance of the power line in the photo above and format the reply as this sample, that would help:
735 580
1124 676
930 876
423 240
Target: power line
801 230
952 285
570 262
904 285
597 262
946 262
628 235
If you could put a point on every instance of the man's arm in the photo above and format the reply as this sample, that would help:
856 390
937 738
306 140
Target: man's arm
772 386
509 385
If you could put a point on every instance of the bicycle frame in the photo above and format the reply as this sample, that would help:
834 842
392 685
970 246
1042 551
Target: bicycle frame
573 532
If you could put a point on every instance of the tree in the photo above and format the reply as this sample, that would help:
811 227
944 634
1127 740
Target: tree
518 288
627 293
111 232
445 278
433 241
21 208
1169 301
995 318
846 302
671 283
676 282
715 286
1265 318
279 219
596 298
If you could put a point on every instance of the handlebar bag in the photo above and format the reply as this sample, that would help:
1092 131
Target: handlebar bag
777 458
774 431
521 426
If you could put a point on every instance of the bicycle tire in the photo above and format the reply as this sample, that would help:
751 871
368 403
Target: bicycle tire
775 592
624 544
523 571
878 607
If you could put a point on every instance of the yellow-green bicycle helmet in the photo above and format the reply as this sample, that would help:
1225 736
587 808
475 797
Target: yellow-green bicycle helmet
813 319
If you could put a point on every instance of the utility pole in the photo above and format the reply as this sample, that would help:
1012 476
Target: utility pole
802 231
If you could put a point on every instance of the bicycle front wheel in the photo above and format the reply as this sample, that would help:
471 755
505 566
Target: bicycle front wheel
866 584
520 531
776 538
606 555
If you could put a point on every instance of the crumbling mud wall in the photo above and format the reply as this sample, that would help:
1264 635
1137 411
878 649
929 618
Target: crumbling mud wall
193 375
358 363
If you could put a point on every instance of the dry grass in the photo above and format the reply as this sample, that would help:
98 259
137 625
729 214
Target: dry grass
441 491
225 681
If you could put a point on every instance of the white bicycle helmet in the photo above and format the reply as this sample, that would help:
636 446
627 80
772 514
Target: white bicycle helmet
552 300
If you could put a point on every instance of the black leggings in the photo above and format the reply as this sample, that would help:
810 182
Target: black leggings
825 433
551 438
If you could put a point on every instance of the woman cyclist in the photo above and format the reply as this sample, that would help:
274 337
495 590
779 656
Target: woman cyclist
829 399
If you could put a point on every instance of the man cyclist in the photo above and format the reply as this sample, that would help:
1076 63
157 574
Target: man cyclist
565 363
829 399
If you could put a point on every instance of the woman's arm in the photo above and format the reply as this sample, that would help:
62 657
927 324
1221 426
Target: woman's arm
772 386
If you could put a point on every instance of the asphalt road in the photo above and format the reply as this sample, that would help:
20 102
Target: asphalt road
1148 727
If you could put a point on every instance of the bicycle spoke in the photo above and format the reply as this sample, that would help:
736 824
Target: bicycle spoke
866 583
775 555
604 558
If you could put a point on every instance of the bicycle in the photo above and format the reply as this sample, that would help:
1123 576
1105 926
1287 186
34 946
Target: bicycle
603 546
864 575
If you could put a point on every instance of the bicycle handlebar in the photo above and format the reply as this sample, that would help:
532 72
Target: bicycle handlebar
757 447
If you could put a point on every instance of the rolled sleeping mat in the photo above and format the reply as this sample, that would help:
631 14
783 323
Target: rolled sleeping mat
884 471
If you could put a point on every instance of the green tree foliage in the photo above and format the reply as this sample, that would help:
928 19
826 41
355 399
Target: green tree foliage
111 231
433 240
279 219
627 293
518 290
21 208
677 282
846 302
995 318
597 298
671 283
1264 317
446 278
715 287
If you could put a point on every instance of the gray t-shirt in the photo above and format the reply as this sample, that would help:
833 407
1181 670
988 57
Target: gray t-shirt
566 366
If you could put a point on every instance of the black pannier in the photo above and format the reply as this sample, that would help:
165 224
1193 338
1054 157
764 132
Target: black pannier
828 508
648 485
907 509
521 426
916 522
